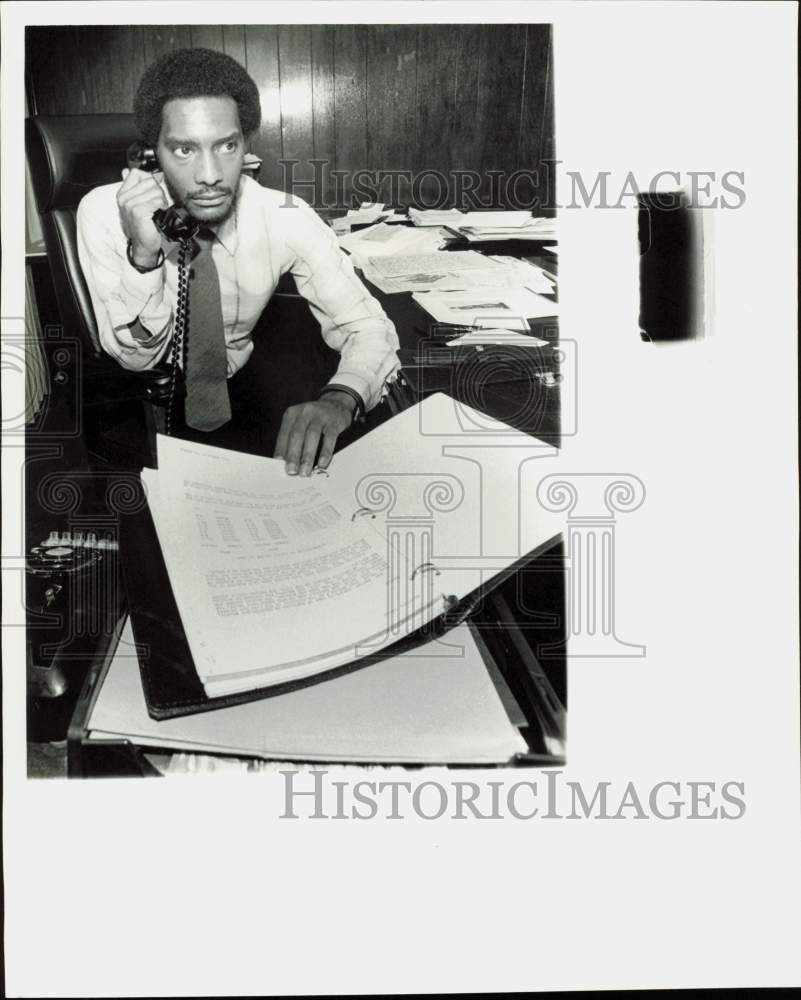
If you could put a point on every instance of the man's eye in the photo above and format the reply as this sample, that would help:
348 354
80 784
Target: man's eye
231 146
182 152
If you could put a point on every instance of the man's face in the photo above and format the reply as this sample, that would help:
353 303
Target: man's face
200 150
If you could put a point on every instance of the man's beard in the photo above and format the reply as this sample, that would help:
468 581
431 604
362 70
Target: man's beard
185 205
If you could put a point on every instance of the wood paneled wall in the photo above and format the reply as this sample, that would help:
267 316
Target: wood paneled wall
416 99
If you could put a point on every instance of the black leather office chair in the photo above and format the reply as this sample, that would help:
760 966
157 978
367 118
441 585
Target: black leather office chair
69 155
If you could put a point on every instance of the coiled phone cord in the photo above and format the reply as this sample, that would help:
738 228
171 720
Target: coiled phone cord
179 329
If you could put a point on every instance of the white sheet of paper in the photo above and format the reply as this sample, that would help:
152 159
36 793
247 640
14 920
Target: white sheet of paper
458 280
499 308
421 707
387 240
436 217
512 337
430 263
264 547
496 219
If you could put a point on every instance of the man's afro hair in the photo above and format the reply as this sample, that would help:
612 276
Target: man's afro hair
193 73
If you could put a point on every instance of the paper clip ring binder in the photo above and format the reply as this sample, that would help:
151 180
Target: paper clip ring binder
427 567
362 512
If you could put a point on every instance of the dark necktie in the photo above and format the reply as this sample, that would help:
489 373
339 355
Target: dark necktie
207 404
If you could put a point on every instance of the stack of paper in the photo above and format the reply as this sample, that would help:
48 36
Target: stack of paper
436 217
515 338
496 220
478 226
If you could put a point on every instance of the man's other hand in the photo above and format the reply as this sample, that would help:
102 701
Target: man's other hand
309 426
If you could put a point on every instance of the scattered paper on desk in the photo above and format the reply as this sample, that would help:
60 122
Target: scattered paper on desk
504 310
540 283
527 274
383 240
370 211
445 280
365 215
504 236
367 206
514 338
429 263
506 220
436 217
497 227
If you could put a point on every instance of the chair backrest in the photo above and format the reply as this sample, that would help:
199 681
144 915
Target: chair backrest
69 155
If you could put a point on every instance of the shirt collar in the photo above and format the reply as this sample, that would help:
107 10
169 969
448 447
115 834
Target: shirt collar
227 232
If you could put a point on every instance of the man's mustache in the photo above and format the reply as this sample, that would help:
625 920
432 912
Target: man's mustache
208 193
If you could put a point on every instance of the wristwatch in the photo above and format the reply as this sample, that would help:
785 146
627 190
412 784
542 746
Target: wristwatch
138 267
358 413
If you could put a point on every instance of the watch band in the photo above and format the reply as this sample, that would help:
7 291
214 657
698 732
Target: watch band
358 413
138 267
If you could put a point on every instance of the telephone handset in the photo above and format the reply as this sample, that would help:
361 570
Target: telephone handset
173 222
176 227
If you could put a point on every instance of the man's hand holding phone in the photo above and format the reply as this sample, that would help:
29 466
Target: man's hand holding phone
138 198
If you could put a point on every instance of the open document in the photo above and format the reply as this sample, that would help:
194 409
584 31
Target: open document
279 578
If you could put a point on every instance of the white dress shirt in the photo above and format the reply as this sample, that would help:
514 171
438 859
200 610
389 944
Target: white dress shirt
268 233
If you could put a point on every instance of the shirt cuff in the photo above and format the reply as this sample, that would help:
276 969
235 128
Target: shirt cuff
142 287
358 383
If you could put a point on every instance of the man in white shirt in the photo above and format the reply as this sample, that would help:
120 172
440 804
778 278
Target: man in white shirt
196 108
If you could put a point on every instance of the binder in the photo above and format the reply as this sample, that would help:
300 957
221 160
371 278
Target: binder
169 679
